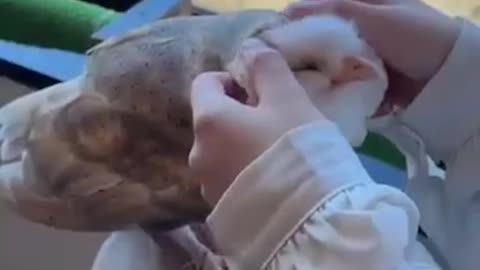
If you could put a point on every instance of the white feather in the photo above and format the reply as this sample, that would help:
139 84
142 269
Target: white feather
325 41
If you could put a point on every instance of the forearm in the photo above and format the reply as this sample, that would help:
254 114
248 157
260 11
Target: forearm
444 123
311 184
446 113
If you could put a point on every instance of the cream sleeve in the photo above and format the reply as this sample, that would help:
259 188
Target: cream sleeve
446 118
307 203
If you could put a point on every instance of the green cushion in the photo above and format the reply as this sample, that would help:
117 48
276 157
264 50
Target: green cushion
63 24
378 147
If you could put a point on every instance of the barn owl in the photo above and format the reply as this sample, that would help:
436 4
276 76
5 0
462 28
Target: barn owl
110 148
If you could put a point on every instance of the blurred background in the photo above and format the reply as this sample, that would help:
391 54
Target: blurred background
42 42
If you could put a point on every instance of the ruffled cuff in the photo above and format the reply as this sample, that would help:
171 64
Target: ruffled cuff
278 191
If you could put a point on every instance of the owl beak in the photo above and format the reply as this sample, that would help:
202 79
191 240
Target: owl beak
354 69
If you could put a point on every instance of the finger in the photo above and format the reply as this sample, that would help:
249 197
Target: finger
210 171
269 75
209 93
402 88
198 161
400 93
348 9
385 108
311 7
237 69
215 114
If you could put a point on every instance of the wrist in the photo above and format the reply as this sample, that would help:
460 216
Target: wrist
451 94
217 184
450 29
298 173
447 31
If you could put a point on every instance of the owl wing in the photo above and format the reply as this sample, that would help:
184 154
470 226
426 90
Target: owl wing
16 121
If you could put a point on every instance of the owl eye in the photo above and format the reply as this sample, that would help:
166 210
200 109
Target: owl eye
310 66
306 66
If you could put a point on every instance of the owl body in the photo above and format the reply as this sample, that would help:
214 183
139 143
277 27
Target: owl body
109 148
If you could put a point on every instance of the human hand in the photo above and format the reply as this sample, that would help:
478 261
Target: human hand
229 134
412 38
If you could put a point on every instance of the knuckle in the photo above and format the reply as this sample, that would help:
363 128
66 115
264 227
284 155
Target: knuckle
206 123
200 80
207 76
198 160
194 157
203 76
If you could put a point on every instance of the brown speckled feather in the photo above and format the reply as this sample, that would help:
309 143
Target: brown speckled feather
114 151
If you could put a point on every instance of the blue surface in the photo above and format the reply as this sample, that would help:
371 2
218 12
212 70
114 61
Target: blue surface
384 173
57 64
144 12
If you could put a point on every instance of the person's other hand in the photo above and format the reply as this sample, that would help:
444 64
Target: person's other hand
228 134
413 38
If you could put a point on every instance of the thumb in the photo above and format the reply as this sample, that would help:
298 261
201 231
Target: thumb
269 75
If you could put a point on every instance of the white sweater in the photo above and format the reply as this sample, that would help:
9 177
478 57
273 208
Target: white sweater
307 202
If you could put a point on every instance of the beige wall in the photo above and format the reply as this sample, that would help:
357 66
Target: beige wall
467 8
27 246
